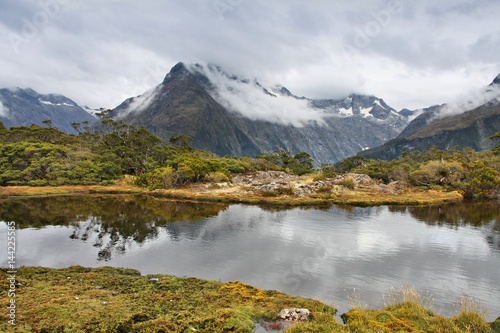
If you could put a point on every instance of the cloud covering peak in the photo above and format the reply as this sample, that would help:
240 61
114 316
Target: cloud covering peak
250 99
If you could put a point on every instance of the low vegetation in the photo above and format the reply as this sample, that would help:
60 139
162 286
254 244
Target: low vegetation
78 299
474 174
40 156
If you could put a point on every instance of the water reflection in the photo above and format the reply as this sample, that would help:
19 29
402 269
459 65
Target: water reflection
110 222
321 253
459 214
476 214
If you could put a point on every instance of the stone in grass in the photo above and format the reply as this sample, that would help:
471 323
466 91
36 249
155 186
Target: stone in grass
294 314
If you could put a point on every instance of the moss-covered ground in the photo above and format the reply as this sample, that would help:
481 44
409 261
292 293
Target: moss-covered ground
78 299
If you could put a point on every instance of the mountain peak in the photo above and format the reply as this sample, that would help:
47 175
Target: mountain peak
178 70
496 80
179 67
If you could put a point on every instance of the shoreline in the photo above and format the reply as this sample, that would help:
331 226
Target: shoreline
231 193
120 299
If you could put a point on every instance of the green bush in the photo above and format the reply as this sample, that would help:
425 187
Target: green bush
217 177
234 165
482 180
159 178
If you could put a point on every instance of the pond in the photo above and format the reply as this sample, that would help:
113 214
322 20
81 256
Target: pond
338 254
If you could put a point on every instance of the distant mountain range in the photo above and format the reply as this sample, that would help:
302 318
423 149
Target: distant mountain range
229 115
24 107
469 123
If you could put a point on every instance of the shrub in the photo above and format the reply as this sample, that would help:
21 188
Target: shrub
482 180
348 182
329 170
235 165
318 175
217 177
157 179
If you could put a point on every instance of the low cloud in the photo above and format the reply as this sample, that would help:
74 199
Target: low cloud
249 99
141 102
4 111
470 101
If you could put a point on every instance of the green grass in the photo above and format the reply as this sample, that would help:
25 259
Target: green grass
78 299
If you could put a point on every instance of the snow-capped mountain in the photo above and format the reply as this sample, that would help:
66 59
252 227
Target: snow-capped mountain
229 115
469 121
24 107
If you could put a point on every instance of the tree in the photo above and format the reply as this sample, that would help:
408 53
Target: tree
181 140
302 163
496 150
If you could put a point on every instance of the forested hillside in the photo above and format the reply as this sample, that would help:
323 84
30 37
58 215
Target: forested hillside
40 156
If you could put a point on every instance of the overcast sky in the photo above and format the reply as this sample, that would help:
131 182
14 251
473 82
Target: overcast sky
99 52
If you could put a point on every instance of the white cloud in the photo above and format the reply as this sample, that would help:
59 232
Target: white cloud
99 53
4 111
141 102
250 100
470 101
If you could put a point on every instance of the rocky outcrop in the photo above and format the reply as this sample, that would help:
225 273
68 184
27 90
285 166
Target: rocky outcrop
274 183
294 314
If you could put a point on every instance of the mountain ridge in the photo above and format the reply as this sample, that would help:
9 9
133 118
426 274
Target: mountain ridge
229 115
449 126
24 107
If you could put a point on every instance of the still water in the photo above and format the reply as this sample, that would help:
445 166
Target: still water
319 253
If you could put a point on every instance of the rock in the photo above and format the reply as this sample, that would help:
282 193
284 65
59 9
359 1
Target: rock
294 314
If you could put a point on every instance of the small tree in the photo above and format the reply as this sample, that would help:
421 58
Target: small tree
482 181
302 163
496 150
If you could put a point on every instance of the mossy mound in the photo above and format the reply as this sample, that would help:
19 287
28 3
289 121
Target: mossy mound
78 299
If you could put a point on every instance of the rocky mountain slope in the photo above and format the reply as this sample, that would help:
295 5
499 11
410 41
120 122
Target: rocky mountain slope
468 123
24 107
233 116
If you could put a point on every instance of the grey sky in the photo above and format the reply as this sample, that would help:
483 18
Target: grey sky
98 53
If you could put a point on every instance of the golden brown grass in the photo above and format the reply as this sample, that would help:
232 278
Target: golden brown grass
239 194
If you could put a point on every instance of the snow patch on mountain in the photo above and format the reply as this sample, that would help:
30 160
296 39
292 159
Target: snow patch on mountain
346 112
252 100
57 104
365 112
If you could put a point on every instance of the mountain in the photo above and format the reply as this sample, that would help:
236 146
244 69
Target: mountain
229 115
24 107
463 124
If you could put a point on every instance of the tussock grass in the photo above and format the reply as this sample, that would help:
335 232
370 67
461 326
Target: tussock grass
407 310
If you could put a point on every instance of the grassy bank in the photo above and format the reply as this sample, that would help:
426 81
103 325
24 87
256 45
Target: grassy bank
78 299
360 197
